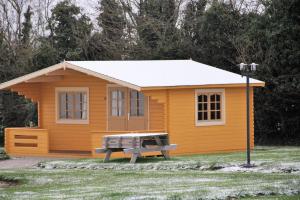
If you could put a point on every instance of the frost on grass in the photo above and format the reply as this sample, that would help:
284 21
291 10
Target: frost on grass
260 166
111 184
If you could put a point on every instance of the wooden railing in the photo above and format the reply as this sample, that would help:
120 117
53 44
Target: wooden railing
26 141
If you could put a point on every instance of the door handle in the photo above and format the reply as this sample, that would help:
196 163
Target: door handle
128 116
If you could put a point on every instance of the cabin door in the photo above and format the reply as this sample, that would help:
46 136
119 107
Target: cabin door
127 109
117 116
138 111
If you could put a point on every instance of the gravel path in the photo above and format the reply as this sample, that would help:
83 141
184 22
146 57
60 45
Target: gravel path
21 162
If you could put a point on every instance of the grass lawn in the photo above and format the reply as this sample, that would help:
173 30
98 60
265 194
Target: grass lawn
269 180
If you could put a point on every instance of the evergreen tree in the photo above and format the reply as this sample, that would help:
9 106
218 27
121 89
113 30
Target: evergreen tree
191 28
158 36
24 52
17 110
276 37
70 30
110 42
27 26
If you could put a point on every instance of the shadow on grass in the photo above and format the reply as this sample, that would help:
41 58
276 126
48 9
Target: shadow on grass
7 181
154 159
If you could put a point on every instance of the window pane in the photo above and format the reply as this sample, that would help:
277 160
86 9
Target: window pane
212 106
114 108
117 103
136 103
218 115
205 116
114 103
121 103
218 106
133 103
200 106
62 105
212 115
78 105
114 94
209 106
70 105
77 115
200 116
205 106
200 97
84 114
80 100
141 104
114 111
84 106
133 94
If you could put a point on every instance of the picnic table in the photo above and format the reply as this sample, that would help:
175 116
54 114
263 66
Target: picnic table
136 144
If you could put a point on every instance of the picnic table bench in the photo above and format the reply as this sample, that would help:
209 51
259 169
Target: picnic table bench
136 144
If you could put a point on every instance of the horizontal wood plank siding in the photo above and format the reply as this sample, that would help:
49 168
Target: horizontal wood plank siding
204 139
156 114
74 136
36 144
169 110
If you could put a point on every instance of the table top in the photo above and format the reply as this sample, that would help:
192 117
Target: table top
127 135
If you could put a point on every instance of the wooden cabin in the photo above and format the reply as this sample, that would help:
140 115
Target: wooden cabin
202 108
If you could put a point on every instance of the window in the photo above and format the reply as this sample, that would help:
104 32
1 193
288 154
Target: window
72 105
136 103
210 107
117 103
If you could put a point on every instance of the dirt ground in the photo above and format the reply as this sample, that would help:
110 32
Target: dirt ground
21 162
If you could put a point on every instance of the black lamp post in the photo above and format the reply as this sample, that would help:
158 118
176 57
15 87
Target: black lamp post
247 70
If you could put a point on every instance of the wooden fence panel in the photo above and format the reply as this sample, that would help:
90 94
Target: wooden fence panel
26 141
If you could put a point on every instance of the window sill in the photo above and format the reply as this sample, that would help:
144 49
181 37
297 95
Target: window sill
70 121
210 123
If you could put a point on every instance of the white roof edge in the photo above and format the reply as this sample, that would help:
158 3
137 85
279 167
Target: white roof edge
65 65
102 76
68 65
31 76
229 72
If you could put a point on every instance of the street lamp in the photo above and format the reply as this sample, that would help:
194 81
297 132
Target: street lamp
247 70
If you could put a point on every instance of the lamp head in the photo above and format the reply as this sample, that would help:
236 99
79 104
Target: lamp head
243 66
253 67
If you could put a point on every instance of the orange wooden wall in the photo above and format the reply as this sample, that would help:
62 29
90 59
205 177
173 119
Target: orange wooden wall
178 117
25 141
201 139
74 136
78 136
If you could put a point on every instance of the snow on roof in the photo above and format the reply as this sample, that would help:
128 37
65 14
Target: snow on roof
163 73
146 74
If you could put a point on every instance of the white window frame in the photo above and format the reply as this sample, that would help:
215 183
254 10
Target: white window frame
71 89
223 110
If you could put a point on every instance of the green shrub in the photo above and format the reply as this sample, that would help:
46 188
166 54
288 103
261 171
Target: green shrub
3 155
1 136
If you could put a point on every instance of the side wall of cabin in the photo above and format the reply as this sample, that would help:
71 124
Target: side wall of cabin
216 138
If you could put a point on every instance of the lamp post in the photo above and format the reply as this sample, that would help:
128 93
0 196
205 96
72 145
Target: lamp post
247 70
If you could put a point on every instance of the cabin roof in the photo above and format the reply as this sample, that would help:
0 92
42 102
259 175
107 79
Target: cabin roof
150 74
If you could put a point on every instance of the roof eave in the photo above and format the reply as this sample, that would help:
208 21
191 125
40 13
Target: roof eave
65 65
102 76
261 84
32 75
